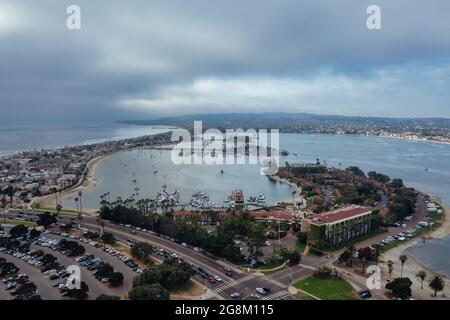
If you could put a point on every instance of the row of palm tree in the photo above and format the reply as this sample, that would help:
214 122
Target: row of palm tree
145 205
436 283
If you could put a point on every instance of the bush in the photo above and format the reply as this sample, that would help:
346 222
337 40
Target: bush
400 288
72 246
170 276
116 279
149 292
108 238
326 273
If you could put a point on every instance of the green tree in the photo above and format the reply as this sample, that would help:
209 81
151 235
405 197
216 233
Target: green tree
170 276
46 219
142 251
116 279
27 289
108 238
18 231
34 233
149 292
400 288
437 284
397 183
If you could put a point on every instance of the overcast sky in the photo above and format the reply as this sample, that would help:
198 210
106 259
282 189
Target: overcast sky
144 59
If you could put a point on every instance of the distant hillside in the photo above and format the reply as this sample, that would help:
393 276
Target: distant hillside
307 122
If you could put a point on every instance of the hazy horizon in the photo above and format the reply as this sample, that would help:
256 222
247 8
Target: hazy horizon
146 60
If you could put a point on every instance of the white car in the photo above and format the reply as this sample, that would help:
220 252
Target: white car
260 291
218 279
235 295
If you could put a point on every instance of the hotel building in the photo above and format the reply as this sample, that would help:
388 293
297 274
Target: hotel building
339 226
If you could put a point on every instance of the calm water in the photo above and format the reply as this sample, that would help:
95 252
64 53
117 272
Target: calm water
396 158
434 254
116 175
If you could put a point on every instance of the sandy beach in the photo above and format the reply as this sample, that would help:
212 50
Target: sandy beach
298 191
412 266
86 183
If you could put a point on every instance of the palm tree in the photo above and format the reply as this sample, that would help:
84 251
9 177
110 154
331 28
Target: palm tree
403 259
377 252
422 275
76 201
80 194
10 192
101 223
390 265
437 284
80 214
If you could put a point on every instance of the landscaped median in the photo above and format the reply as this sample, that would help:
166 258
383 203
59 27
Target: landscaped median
329 289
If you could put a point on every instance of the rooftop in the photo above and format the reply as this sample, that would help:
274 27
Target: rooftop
339 214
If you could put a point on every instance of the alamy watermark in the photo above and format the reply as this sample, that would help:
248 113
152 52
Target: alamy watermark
373 282
73 21
234 146
74 280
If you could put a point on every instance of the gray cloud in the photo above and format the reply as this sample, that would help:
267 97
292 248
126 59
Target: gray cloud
150 58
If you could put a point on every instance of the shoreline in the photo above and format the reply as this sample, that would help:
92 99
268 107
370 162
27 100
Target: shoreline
295 188
413 264
372 136
85 184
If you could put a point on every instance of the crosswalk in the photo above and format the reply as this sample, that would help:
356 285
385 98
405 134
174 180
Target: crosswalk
306 266
277 296
275 282
232 283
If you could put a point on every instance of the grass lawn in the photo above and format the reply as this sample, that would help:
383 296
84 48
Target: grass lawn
303 296
327 289
17 222
190 289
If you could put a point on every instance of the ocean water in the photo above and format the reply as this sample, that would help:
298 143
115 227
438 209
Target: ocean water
30 136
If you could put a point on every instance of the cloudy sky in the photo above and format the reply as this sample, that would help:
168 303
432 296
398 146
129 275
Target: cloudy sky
144 59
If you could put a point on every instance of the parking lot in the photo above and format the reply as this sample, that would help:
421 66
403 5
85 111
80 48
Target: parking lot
46 290
113 260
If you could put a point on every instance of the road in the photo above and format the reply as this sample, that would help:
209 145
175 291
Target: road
4 294
242 282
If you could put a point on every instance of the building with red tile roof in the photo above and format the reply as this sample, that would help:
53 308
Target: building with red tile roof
340 225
